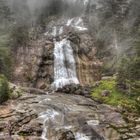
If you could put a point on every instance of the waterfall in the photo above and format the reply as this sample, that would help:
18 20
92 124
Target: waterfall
64 64
77 23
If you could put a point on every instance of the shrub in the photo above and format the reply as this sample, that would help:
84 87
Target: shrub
4 89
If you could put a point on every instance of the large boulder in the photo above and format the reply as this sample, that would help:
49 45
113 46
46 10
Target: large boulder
76 90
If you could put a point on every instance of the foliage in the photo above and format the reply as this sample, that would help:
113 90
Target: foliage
6 62
115 97
4 89
19 35
129 70
114 11
108 85
5 13
5 26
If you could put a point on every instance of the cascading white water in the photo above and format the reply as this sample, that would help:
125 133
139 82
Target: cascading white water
47 116
86 2
77 23
64 64
61 114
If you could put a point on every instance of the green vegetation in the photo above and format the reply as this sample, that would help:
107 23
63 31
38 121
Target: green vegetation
5 28
15 91
4 89
128 78
5 62
114 96
22 133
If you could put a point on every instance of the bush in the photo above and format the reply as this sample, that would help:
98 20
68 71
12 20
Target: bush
4 89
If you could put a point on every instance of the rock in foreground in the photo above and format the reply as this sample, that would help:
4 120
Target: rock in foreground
58 116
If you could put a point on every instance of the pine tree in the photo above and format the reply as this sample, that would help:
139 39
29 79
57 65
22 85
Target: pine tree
4 10
129 69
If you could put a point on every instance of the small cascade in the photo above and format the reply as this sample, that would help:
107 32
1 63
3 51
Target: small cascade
86 2
64 64
77 23
64 113
81 136
54 32
69 22
47 116
61 30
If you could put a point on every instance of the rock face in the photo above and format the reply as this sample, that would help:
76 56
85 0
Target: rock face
63 54
58 116
88 67
35 65
44 74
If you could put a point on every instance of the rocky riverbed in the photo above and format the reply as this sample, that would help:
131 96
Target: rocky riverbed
60 117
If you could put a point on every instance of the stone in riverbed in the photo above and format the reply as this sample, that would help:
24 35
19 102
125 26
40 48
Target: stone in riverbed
76 90
105 93
67 135
31 129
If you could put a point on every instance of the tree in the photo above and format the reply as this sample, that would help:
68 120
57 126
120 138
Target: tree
129 70
5 12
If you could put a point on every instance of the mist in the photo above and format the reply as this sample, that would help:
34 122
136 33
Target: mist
103 20
33 9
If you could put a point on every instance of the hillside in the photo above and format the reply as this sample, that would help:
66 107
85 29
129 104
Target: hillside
69 70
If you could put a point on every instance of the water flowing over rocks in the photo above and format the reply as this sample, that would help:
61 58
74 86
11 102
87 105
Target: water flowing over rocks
36 65
64 64
58 117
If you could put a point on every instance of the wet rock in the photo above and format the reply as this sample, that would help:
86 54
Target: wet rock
66 117
107 77
41 84
31 129
76 90
105 93
48 62
48 42
67 135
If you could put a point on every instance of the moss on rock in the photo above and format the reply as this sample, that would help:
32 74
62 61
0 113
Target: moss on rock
115 97
15 91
